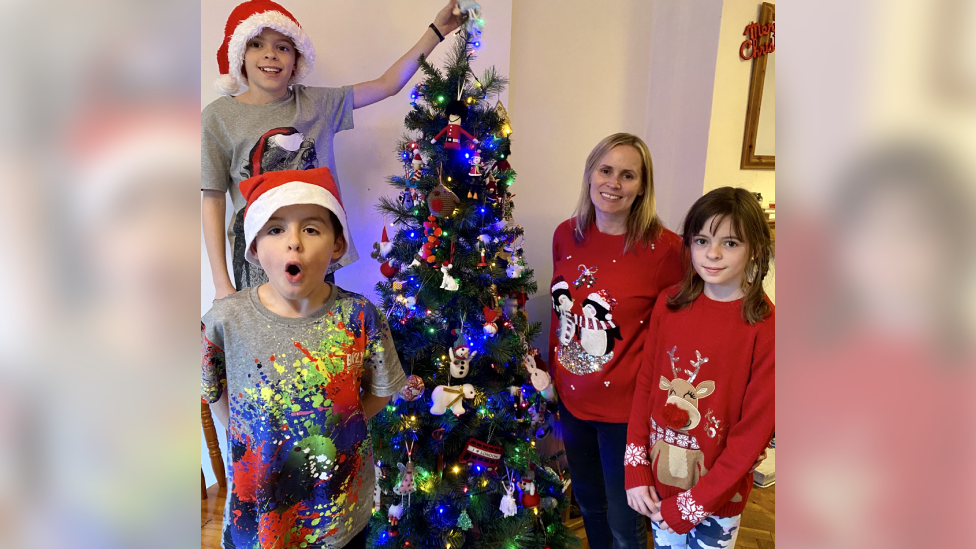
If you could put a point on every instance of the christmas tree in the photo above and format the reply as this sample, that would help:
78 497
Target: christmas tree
456 456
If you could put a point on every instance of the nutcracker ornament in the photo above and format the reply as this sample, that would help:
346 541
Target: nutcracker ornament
394 515
457 113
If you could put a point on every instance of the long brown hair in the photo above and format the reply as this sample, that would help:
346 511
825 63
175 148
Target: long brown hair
748 225
643 224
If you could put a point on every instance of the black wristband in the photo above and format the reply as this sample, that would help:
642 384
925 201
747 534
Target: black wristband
437 32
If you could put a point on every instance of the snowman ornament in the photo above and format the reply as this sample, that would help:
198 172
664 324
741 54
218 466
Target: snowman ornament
597 330
461 356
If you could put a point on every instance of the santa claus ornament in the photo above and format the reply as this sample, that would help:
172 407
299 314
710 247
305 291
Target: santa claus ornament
476 164
394 515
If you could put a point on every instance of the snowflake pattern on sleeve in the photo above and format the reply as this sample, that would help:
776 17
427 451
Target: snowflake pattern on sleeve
636 455
690 511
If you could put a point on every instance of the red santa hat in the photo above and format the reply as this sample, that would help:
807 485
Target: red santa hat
247 21
416 158
270 191
603 299
560 284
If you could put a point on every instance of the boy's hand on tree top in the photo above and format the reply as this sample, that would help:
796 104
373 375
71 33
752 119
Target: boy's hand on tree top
446 21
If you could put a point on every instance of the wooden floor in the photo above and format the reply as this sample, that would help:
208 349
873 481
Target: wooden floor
757 531
211 517
758 528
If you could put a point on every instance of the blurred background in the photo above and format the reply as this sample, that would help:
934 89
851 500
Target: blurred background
100 270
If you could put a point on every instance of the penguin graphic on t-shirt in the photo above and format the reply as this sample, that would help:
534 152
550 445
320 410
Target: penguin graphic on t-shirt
597 331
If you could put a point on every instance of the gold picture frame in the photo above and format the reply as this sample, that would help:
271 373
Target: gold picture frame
751 160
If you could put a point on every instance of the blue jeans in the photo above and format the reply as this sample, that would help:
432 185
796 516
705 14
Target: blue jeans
595 451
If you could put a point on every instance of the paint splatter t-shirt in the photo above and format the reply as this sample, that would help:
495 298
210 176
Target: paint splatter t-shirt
300 465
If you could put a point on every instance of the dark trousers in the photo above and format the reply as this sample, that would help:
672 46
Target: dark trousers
596 463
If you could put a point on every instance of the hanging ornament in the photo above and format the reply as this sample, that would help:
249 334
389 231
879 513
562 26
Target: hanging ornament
394 514
448 283
530 497
407 199
383 247
444 397
482 249
397 285
377 491
480 453
417 163
490 327
441 201
537 371
461 357
476 165
508 506
413 389
515 267
407 485
506 128
388 270
587 276
491 185
464 521
457 113
550 503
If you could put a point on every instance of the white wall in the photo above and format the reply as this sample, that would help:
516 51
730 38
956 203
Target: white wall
590 69
356 41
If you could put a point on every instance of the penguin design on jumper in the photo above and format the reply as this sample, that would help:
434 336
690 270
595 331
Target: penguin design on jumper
562 302
597 331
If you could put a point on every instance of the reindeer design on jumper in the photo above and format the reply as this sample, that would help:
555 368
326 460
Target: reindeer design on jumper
675 454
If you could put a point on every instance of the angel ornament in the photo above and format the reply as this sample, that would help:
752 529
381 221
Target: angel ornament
508 506
407 485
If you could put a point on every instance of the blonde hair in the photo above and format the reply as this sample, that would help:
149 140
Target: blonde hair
643 224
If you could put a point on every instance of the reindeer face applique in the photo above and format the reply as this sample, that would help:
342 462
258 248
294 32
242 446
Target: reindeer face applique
684 394
675 455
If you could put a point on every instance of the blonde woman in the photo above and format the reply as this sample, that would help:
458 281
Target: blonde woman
610 261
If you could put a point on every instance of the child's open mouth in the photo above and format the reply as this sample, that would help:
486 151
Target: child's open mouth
294 272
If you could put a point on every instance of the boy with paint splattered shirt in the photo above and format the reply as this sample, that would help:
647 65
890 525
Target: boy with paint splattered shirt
294 368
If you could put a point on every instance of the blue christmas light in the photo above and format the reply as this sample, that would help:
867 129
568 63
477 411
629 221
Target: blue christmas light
477 44
466 155
411 236
440 510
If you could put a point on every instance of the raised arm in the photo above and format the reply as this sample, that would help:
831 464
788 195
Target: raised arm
397 76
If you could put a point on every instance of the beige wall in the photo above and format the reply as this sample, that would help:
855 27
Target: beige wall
589 69
731 91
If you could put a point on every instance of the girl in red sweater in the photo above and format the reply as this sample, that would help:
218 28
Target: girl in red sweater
704 404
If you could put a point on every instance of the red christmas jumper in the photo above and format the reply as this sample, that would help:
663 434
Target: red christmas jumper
716 374
608 312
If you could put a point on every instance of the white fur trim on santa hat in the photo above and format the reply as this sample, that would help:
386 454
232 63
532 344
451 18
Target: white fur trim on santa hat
234 83
598 299
297 192
561 285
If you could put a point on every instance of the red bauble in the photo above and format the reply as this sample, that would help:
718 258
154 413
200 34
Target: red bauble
675 417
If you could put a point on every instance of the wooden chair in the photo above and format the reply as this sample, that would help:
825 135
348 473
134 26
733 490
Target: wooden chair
212 504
